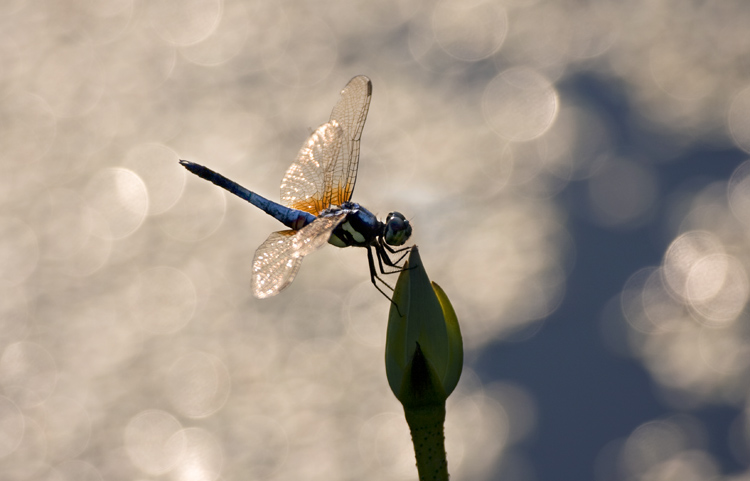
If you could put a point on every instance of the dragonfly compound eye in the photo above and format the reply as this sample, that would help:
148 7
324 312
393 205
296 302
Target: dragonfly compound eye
397 229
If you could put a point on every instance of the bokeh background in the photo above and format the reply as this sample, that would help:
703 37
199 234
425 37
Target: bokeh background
576 173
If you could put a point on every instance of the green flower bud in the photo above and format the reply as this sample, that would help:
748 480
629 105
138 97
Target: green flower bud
423 350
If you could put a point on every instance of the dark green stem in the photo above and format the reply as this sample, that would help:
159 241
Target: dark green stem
427 434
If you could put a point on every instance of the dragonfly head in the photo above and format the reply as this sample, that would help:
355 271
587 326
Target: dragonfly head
397 229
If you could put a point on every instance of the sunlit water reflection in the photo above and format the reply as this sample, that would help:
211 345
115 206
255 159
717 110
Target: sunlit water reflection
131 347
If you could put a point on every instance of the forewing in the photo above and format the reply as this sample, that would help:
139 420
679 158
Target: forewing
350 113
307 180
278 259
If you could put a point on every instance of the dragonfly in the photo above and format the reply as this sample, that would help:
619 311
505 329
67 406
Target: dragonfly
316 202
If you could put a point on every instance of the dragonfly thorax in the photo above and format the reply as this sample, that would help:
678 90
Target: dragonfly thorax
360 228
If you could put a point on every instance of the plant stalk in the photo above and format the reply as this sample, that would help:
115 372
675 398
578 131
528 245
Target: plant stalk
427 435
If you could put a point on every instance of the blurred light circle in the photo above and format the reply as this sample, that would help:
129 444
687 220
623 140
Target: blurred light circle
649 444
318 433
79 140
522 161
317 363
19 251
95 252
296 320
68 427
150 63
683 254
12 426
484 422
184 22
622 193
739 119
738 192
199 213
660 306
717 287
724 351
156 165
539 38
121 197
545 295
494 160
155 441
265 446
578 143
367 436
674 361
163 300
72 80
469 30
706 277
16 319
198 384
227 41
202 458
523 238
10 7
516 410
29 128
94 330
691 465
422 44
104 9
309 56
678 73
28 373
267 45
64 223
382 16
632 300
360 310
519 104
601 33
76 470
29 459
386 442
106 20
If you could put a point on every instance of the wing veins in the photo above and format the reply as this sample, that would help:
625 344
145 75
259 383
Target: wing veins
278 259
325 170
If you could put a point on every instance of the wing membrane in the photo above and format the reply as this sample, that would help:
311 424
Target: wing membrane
304 185
325 170
278 259
350 113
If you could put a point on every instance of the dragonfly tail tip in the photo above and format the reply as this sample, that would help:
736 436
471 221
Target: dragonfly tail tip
197 169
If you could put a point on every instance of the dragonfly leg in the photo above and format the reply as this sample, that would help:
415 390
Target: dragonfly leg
373 272
383 257
396 251
374 276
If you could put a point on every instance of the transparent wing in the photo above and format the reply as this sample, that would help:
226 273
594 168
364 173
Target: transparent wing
325 170
350 113
274 265
306 182
278 259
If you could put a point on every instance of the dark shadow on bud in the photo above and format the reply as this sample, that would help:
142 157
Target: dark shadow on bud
422 384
